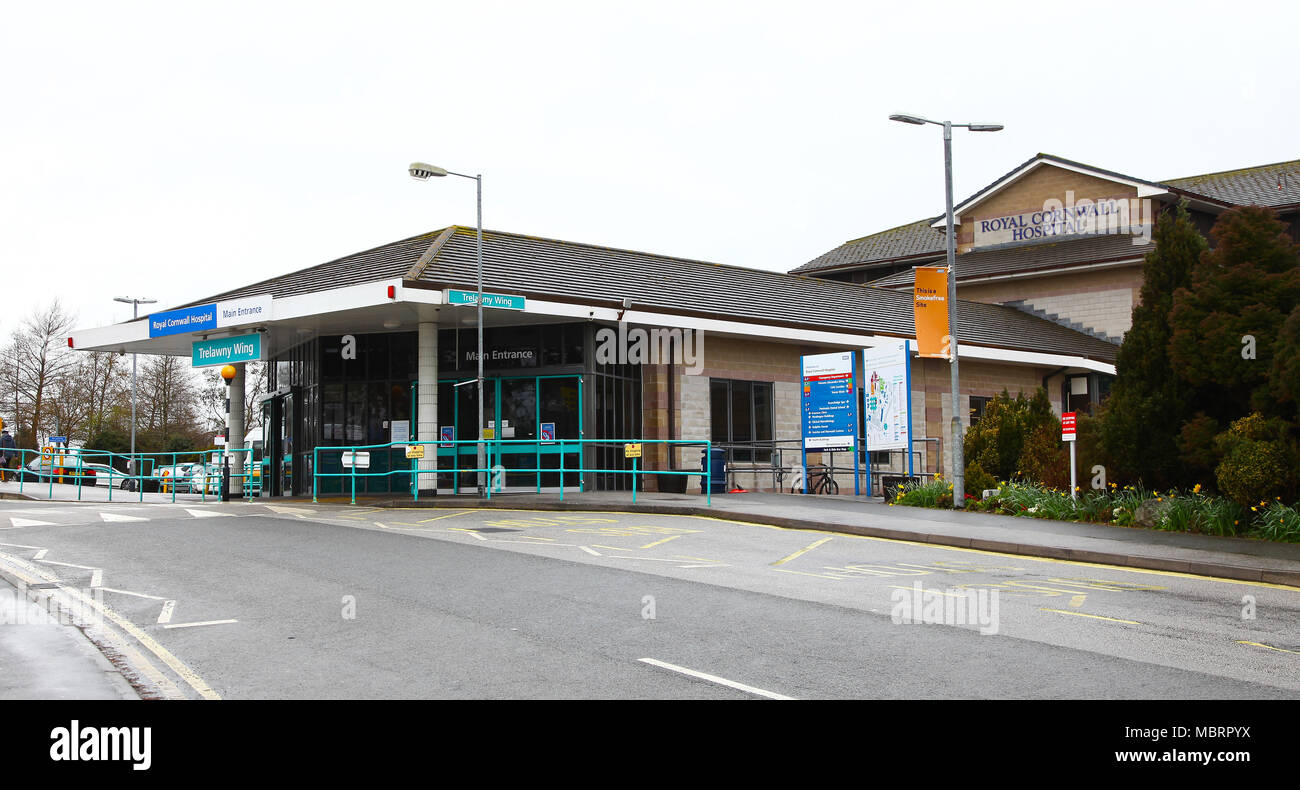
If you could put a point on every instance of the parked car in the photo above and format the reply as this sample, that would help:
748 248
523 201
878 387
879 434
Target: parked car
66 471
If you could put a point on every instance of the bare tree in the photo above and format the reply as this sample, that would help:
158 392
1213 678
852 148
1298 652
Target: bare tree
213 397
35 362
168 398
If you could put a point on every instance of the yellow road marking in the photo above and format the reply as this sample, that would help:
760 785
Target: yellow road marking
801 552
1093 616
615 548
932 591
1268 647
449 515
659 542
805 573
1020 557
1078 600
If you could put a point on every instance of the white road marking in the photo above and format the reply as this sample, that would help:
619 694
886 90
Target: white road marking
121 517
97 578
19 546
590 551
165 616
136 594
714 679
29 522
205 513
300 512
40 555
205 622
471 532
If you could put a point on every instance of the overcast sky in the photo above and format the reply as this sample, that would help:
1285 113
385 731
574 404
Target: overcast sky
175 150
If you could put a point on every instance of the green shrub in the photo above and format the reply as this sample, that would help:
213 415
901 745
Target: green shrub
977 480
1259 461
936 493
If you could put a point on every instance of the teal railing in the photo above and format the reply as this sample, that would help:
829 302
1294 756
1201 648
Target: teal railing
498 448
192 471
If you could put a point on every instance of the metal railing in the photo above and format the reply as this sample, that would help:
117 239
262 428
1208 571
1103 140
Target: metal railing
782 459
189 471
495 472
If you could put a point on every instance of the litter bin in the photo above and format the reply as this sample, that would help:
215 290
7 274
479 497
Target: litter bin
714 463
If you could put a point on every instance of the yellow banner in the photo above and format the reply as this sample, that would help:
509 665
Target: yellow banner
930 311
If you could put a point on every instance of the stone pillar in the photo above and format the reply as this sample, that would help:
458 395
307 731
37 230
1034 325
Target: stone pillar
235 432
427 406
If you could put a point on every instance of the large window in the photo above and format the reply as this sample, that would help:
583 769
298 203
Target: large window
741 414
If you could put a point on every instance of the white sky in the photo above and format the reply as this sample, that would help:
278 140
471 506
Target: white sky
175 150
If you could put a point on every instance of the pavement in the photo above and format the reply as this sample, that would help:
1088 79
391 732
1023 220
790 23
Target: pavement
1243 559
44 656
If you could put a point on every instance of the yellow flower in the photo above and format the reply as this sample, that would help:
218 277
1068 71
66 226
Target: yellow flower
1252 507
1235 523
1196 489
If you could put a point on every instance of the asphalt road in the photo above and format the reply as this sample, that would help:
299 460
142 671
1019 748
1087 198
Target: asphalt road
319 601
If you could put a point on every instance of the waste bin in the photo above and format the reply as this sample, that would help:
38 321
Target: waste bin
714 463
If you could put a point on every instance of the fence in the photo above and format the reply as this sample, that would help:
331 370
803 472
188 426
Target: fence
193 471
494 472
782 460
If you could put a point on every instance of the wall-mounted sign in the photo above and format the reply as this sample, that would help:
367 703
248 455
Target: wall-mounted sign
448 436
227 350
632 450
1071 218
500 301
548 433
414 451
830 414
204 317
400 432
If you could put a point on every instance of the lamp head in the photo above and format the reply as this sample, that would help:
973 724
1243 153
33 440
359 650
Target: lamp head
423 171
228 373
904 118
985 127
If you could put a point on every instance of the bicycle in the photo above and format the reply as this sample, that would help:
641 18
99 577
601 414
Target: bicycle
823 482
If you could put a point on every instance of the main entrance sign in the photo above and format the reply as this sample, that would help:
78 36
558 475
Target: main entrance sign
200 318
500 301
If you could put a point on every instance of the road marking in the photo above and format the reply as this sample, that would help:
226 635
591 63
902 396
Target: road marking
932 591
136 594
19 546
205 622
615 548
97 578
806 573
40 555
467 532
165 616
1093 616
1078 600
205 513
713 679
29 522
591 551
300 512
439 518
800 552
121 517
659 542
1268 647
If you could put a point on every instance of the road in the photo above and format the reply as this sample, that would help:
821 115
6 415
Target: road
246 600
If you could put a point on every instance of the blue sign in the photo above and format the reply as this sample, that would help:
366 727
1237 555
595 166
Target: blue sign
186 319
448 435
58 440
548 433
830 404
227 350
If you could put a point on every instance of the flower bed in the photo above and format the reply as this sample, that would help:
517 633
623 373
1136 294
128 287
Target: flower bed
1125 507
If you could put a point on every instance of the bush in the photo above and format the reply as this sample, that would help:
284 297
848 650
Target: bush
936 493
977 480
1259 461
1043 459
997 440
1279 522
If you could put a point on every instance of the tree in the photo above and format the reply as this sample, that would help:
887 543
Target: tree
1148 404
1227 324
212 397
35 362
1016 438
168 400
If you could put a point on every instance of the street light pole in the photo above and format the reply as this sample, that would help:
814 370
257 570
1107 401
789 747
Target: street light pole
135 315
423 172
958 450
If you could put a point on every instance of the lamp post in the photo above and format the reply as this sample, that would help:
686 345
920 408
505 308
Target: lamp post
958 452
422 171
135 314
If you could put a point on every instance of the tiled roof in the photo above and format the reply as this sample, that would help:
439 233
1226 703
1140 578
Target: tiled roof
916 238
1266 185
567 271
1029 257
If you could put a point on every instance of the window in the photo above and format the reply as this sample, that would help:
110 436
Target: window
977 406
741 414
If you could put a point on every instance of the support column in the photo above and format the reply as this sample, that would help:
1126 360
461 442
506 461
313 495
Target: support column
235 431
427 406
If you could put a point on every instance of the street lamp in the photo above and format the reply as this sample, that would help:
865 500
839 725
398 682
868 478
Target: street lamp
135 314
422 171
958 452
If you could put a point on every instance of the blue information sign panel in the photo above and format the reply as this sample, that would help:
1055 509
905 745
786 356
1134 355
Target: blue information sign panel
448 433
830 413
548 433
227 350
186 319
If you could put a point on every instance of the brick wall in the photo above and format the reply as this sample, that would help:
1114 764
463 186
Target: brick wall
1102 299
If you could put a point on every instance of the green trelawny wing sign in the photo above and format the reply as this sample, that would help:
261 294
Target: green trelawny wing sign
502 301
227 350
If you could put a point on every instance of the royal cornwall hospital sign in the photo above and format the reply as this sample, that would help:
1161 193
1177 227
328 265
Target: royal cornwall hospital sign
1069 218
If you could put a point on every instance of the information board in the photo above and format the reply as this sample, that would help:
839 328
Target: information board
886 397
830 414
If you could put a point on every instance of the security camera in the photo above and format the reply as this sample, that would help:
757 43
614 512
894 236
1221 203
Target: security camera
627 304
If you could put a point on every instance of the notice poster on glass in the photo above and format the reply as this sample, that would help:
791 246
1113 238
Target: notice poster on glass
886 397
830 415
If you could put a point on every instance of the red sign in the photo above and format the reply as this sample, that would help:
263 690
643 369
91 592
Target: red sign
1068 433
